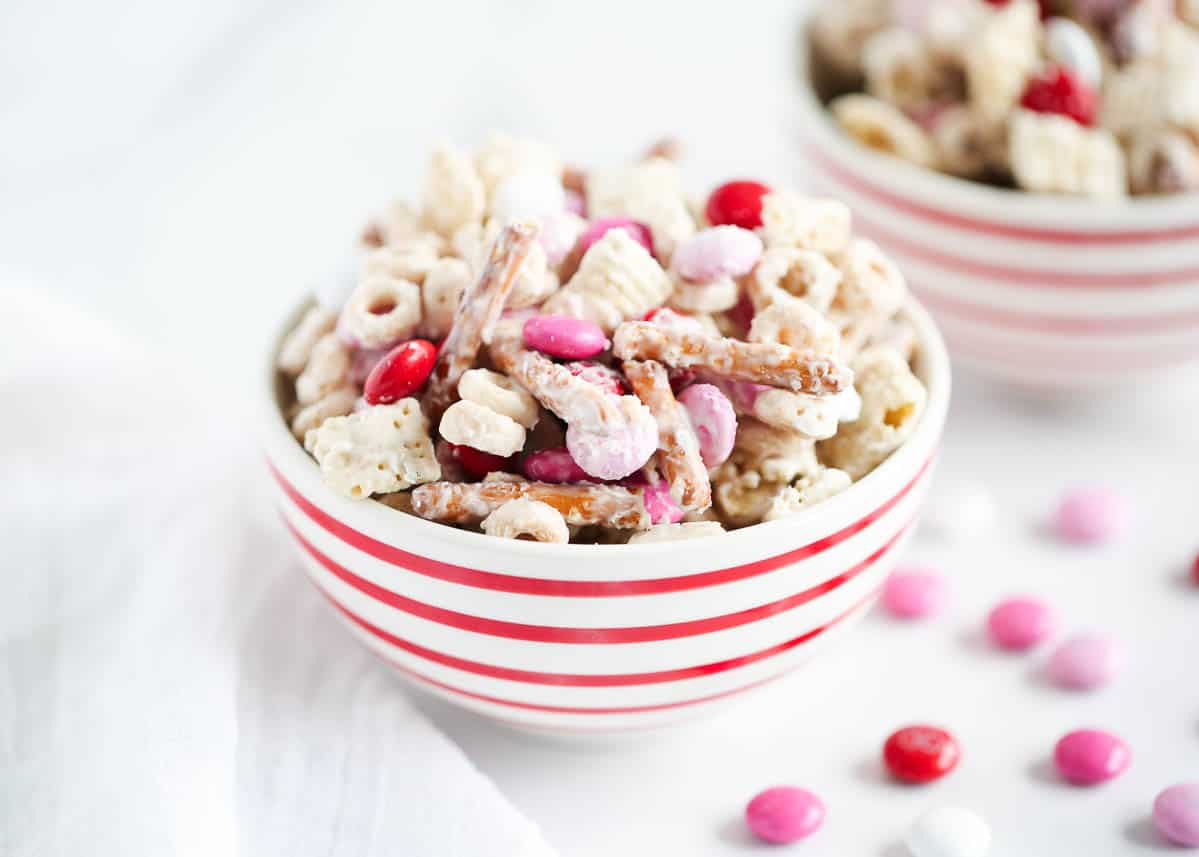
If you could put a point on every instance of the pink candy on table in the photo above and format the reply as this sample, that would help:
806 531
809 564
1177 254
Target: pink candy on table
714 420
784 814
1091 515
1087 757
913 593
1084 661
553 465
564 336
639 232
1020 623
721 251
1176 814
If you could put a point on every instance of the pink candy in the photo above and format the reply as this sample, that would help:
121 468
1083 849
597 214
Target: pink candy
714 421
661 506
565 337
616 453
784 814
1091 515
1176 814
912 593
1084 661
1090 756
553 465
1020 623
722 251
639 232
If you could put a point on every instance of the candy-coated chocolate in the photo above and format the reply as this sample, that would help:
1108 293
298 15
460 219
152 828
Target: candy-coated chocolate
1176 814
478 463
737 203
1084 661
1086 757
598 228
949 831
722 251
564 337
1092 515
401 372
1020 623
920 754
784 814
714 420
913 593
553 465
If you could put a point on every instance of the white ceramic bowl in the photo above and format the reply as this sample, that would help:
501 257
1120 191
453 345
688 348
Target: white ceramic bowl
603 638
1043 291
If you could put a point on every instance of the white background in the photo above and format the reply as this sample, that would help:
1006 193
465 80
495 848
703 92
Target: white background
184 170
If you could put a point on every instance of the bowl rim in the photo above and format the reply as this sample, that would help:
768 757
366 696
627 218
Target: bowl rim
996 204
904 465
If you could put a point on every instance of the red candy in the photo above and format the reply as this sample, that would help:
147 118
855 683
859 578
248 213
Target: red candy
920 754
400 373
1059 91
478 463
737 203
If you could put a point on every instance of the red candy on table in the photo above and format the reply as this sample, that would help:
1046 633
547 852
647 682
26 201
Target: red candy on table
920 754
1059 91
478 463
400 373
737 203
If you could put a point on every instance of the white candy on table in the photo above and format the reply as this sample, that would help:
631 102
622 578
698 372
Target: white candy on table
525 518
382 449
949 831
470 424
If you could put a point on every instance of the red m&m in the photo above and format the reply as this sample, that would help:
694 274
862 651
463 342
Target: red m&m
920 754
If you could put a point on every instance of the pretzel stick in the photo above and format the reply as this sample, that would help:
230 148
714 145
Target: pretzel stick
760 362
679 459
580 505
574 400
477 313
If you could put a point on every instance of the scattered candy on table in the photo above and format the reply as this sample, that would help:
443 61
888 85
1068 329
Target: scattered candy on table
1176 814
920 754
1084 661
1092 515
914 593
784 814
1087 757
949 831
1020 623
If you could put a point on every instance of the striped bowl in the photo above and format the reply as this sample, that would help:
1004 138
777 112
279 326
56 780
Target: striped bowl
603 638
1042 291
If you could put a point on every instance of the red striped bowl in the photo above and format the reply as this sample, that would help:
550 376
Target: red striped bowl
1043 291
601 638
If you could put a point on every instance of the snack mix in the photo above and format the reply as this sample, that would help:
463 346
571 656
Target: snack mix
614 361
1098 98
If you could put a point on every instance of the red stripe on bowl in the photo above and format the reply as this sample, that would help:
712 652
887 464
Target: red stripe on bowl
582 679
994 227
1040 278
481 579
978 312
633 709
586 636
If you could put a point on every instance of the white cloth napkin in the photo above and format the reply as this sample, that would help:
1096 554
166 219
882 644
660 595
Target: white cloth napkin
169 684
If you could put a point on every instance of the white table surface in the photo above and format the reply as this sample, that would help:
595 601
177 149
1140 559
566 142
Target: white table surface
184 170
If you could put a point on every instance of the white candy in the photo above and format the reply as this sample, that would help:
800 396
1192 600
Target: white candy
1071 46
528 195
959 510
474 425
948 831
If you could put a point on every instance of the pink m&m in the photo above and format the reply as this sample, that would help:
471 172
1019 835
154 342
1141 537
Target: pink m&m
1086 757
639 232
1176 814
912 593
553 465
714 420
784 814
1091 515
1020 623
1084 661
565 337
721 251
